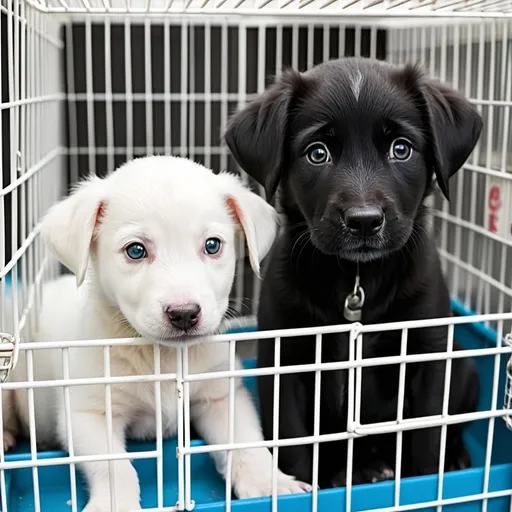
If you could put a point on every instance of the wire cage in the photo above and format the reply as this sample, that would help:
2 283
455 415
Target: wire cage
89 84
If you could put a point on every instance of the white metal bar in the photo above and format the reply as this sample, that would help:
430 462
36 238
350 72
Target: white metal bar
357 40
3 487
295 46
461 176
490 429
446 398
391 427
109 110
181 446
231 426
316 426
224 91
242 92
159 432
69 429
167 88
32 430
184 90
488 245
128 87
475 160
191 124
351 419
207 92
286 333
310 49
109 422
65 461
91 140
275 425
400 416
149 87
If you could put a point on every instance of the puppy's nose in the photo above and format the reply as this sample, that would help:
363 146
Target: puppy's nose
364 221
185 316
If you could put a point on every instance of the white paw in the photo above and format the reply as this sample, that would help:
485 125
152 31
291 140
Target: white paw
254 485
95 506
9 440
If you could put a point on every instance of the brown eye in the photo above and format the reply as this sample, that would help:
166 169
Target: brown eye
318 154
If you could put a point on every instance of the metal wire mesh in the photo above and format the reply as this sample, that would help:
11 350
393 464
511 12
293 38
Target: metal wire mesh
83 93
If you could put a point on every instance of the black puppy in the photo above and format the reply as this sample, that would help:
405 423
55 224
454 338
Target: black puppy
355 145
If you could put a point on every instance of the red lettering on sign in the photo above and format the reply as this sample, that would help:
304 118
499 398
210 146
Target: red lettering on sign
494 207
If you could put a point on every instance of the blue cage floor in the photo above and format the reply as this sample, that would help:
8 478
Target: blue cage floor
208 489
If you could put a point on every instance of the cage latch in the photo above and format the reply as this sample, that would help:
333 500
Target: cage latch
508 386
8 355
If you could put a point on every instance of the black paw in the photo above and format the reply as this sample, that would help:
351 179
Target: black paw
377 471
461 461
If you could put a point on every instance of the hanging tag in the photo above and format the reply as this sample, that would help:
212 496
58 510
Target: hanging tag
354 303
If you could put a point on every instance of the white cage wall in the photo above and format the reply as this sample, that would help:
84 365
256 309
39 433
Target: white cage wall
115 88
88 85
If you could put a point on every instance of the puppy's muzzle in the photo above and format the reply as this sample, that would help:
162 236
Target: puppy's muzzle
184 317
364 221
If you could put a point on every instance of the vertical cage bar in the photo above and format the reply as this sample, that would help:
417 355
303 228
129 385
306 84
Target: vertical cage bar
191 50
91 141
444 427
494 403
167 87
351 425
224 92
109 111
316 425
242 94
109 420
189 503
231 425
275 425
184 89
400 415
159 433
475 161
207 94
128 87
32 429
69 429
149 87
488 243
71 104
180 407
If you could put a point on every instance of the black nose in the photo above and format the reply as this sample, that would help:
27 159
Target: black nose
184 317
364 221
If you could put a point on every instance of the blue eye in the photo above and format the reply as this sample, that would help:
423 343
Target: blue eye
136 251
400 150
212 246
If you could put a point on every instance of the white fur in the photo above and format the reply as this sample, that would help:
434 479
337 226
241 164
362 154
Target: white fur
172 205
356 81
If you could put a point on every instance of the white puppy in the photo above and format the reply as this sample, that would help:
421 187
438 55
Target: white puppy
152 247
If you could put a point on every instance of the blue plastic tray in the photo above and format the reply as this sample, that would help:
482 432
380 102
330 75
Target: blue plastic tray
208 490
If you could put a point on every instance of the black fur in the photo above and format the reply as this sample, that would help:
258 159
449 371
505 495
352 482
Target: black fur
312 266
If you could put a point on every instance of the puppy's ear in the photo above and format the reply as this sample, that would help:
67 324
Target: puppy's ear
256 135
454 126
258 219
68 227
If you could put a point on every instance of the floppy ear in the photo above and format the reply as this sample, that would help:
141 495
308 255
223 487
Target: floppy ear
256 135
258 219
454 127
68 227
